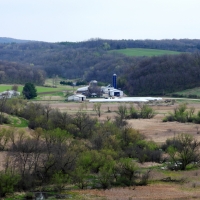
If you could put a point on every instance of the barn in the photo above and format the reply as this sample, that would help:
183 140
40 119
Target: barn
77 97
115 93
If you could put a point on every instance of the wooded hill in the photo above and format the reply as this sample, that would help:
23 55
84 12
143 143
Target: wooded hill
91 59
17 73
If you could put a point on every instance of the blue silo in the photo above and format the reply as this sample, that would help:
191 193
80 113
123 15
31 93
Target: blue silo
115 81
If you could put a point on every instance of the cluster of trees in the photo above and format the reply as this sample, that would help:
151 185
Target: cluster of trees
162 75
16 73
183 114
143 111
66 83
77 83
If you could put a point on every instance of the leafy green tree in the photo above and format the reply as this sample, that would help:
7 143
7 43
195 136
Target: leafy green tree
80 176
106 173
60 180
127 170
7 182
184 150
29 91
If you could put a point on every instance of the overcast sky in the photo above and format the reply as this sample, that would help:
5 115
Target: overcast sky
80 20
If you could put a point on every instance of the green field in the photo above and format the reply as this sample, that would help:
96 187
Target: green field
193 91
40 89
143 52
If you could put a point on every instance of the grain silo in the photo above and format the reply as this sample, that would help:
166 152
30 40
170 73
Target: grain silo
115 81
93 83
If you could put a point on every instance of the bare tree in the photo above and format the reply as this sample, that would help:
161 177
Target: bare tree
15 88
97 108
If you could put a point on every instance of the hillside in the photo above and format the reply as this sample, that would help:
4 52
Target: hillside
140 74
162 75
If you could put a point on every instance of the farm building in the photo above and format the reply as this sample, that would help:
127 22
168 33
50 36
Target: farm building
9 94
82 89
115 93
106 89
77 97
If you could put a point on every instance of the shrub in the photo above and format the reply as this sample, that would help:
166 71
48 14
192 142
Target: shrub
146 112
8 181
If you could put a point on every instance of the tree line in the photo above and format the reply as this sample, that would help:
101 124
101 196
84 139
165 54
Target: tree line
182 45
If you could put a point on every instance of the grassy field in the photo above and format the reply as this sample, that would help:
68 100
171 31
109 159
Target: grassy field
143 52
193 91
40 89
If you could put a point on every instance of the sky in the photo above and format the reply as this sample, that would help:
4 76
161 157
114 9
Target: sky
81 20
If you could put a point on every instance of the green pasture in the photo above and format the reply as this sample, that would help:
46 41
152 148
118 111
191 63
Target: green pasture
193 91
40 89
143 52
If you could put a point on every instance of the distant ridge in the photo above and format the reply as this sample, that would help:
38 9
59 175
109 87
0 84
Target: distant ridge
7 40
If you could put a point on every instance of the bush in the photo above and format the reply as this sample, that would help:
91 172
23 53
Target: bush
146 112
133 113
8 181
183 114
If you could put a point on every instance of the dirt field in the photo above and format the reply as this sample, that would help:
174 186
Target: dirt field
150 192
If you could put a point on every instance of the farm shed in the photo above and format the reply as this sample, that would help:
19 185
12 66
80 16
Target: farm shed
77 97
115 93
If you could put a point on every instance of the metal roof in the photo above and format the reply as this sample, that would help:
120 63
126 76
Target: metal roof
126 99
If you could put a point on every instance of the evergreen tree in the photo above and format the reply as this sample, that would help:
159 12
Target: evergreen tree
29 91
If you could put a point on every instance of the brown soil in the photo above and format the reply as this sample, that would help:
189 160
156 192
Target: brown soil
150 192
